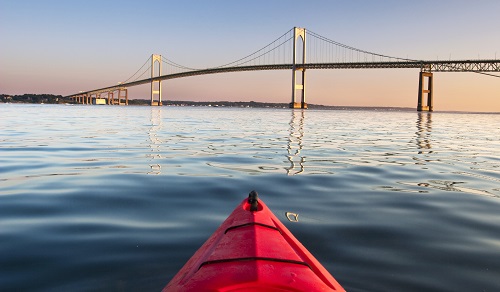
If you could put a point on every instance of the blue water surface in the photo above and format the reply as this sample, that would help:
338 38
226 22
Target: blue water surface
118 198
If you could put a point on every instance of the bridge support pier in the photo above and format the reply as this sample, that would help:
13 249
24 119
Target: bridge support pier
301 87
423 90
122 95
155 84
110 98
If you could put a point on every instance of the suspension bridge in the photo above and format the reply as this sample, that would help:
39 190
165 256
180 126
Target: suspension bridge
297 50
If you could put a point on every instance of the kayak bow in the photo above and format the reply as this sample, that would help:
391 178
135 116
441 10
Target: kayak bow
253 251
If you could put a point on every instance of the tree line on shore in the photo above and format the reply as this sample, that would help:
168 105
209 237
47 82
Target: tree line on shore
35 98
59 99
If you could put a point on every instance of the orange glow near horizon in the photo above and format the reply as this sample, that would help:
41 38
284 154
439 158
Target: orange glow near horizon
453 91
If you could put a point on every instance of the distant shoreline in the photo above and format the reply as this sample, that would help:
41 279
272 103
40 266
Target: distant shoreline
59 99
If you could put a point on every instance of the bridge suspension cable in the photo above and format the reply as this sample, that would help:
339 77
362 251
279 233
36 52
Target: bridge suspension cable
180 68
260 55
148 61
324 50
278 51
320 49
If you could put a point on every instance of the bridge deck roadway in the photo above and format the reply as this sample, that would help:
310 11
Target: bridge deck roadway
427 66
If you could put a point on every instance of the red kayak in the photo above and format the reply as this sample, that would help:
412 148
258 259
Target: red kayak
253 251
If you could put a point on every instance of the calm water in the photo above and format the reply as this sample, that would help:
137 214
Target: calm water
118 198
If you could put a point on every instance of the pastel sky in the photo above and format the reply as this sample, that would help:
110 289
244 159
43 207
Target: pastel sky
63 47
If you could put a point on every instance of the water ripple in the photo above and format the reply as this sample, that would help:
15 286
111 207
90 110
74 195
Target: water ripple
118 198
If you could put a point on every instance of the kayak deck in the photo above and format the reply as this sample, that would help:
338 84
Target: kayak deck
253 250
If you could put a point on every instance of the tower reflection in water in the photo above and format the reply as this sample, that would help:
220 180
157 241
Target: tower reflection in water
155 142
423 133
295 146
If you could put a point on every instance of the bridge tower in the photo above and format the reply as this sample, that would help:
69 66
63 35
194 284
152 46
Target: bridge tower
301 87
155 84
422 91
